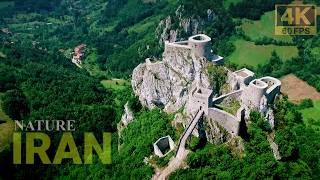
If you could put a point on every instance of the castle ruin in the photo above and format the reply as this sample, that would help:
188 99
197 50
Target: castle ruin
252 94
180 80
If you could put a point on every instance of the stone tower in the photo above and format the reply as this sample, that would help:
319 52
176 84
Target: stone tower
201 45
254 93
200 99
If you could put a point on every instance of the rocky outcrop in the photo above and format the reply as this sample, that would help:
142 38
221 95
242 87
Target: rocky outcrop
215 133
178 26
274 147
167 83
270 118
126 118
236 146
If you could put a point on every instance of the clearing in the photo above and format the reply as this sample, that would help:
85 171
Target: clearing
298 89
263 28
311 116
247 53
116 84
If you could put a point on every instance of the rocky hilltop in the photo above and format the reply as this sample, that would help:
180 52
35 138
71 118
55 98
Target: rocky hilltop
177 26
180 81
166 83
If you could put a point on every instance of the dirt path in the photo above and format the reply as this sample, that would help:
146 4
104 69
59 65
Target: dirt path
175 164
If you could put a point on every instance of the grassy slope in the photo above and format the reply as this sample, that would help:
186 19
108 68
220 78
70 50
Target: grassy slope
6 130
145 24
116 84
250 54
312 113
90 64
247 53
263 28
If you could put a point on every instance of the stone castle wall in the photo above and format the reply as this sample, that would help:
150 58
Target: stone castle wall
228 121
235 95
273 89
199 45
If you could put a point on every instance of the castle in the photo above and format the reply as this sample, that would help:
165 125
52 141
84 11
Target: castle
180 84
248 92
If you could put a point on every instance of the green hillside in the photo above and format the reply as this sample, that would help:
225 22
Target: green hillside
263 28
311 116
247 53
6 129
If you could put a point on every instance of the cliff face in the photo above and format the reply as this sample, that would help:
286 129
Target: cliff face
178 26
167 83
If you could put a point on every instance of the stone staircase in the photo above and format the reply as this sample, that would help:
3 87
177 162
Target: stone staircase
187 133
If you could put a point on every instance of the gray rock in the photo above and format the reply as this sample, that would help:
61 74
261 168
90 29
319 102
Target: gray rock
127 116
166 83
270 117
215 133
187 25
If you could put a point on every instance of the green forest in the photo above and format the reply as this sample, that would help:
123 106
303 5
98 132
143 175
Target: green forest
39 81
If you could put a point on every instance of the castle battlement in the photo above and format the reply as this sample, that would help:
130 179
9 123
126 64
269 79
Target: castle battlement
199 45
200 98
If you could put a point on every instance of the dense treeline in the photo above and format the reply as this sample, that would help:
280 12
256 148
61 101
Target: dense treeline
14 103
36 6
53 87
132 48
39 85
57 25
107 29
111 10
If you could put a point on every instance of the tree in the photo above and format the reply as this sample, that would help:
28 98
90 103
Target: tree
306 103
7 79
274 64
286 140
217 76
15 104
134 104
